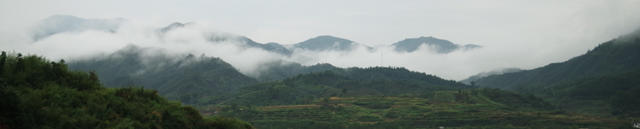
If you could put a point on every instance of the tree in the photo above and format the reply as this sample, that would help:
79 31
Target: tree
3 59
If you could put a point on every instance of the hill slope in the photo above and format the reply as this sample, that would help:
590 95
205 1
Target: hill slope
279 70
613 94
36 93
469 108
376 81
439 45
615 56
189 79
587 83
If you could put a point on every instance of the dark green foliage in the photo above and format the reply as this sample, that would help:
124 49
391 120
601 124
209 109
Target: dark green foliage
229 123
615 56
591 83
626 103
280 70
483 108
514 99
606 94
36 93
189 79
375 81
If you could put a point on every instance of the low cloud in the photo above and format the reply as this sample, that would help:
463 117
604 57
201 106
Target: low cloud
99 37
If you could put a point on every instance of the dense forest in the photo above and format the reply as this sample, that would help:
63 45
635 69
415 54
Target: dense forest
350 82
381 97
41 94
603 81
191 79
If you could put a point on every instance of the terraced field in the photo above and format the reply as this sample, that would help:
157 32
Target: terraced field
450 109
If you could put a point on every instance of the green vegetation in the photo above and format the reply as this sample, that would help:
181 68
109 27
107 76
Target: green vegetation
605 81
381 97
189 79
280 70
613 57
193 80
36 93
375 81
604 95
469 108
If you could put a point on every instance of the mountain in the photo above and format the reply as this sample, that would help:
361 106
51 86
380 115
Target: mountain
324 43
470 108
279 70
615 56
613 94
39 94
375 81
327 43
248 43
187 78
65 23
439 45
606 72
385 97
485 74
240 41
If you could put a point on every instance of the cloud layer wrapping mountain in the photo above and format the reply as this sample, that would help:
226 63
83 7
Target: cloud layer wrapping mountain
327 43
447 60
437 45
185 77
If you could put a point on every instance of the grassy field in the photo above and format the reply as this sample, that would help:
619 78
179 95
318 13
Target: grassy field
449 109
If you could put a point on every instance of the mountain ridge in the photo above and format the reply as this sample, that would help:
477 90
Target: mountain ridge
596 77
440 45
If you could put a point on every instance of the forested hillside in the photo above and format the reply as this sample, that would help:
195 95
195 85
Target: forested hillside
614 94
374 81
615 56
39 94
187 78
467 108
387 97
603 81
280 70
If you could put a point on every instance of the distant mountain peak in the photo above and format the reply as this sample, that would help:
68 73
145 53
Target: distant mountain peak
328 38
246 42
440 45
326 43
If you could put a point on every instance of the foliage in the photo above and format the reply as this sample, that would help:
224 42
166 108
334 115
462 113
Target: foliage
37 93
612 57
599 82
189 79
614 94
483 108
279 70
375 81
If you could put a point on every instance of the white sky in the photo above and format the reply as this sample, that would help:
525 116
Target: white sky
523 33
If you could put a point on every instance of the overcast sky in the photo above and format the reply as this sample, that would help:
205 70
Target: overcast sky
530 33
